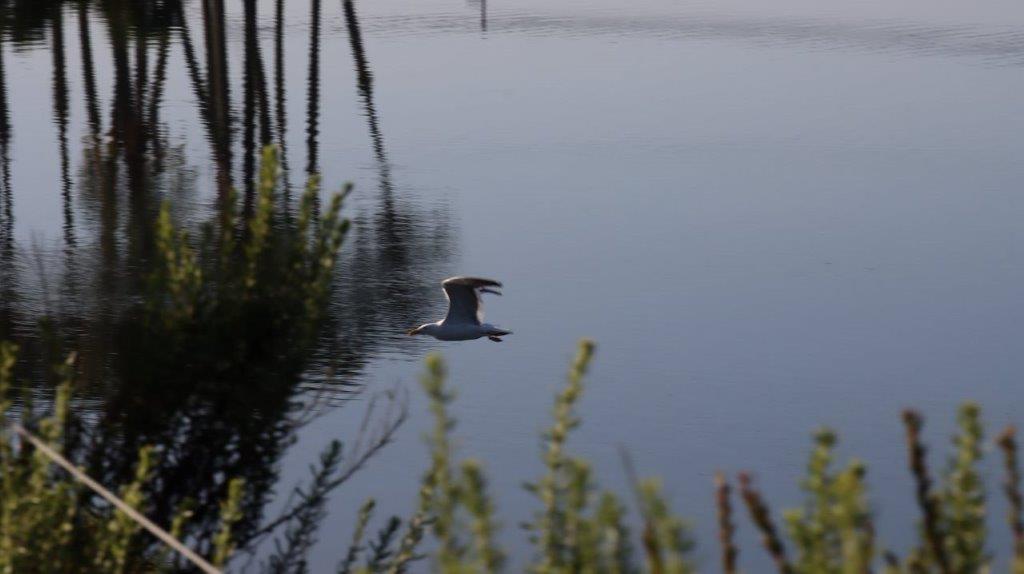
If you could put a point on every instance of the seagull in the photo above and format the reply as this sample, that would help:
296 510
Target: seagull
464 321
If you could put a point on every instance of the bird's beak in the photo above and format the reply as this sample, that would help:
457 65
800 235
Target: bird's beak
491 291
413 331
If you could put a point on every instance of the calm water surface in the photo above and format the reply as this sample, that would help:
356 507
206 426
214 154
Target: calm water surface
769 216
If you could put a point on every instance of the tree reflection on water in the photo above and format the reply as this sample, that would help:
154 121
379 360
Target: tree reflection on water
220 396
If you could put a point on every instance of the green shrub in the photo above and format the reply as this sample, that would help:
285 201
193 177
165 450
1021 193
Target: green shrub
575 530
48 523
265 268
44 513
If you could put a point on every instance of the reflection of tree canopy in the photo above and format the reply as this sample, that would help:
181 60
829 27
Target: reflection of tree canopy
219 394
26 20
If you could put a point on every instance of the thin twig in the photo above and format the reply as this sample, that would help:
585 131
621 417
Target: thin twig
726 528
121 505
634 481
761 516
384 434
929 506
1008 443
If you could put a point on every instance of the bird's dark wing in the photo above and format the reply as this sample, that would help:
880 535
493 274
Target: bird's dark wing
464 304
471 282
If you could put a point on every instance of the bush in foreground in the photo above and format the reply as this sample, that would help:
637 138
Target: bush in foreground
46 525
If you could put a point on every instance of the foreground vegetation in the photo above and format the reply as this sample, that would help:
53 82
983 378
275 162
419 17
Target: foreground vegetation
48 521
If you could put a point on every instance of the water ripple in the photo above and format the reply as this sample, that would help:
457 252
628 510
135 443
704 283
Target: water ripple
1001 46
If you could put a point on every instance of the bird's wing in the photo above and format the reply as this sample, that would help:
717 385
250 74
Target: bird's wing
464 305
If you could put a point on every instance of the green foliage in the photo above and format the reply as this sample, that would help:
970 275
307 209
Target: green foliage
356 546
558 514
230 514
611 537
48 521
456 504
963 496
38 513
116 545
179 274
481 509
239 298
833 532
587 533
260 223
407 547
666 543
268 274
575 530
441 491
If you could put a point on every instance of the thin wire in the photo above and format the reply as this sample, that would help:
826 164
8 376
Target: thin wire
155 530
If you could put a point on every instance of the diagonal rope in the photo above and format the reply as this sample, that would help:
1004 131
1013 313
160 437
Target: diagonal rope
121 505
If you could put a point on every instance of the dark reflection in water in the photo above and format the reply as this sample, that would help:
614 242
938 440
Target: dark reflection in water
60 114
220 399
313 91
280 116
6 194
395 248
482 6
7 268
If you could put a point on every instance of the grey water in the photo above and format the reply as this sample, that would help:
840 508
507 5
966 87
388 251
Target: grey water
770 216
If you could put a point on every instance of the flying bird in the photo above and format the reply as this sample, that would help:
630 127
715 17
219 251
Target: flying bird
465 319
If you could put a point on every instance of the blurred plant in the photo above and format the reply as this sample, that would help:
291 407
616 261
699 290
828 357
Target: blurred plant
726 527
575 530
1008 444
47 521
42 513
834 531
267 275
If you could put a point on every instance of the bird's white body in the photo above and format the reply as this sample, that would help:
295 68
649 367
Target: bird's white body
464 321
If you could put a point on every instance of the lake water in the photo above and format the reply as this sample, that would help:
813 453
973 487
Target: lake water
770 216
